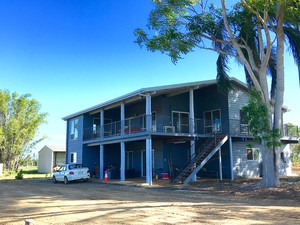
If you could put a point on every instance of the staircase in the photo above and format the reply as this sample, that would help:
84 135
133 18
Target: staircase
201 157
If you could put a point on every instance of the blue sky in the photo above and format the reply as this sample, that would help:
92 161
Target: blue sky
73 54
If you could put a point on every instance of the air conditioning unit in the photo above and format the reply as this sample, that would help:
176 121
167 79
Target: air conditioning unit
153 128
169 129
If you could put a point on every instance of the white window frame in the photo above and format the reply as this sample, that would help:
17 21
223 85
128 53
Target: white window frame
212 125
253 155
73 156
74 129
179 128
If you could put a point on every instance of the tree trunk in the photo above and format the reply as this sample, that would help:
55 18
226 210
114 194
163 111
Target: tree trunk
268 168
279 95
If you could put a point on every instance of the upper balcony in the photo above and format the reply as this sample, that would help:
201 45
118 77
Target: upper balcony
164 125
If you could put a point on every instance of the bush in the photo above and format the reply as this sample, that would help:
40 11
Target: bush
295 154
19 175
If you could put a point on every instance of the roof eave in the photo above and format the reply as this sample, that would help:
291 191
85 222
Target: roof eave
147 90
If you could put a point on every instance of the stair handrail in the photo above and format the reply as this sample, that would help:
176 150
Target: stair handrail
213 135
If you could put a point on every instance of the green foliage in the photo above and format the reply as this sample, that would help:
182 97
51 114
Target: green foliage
177 27
295 156
257 116
19 175
34 162
26 161
248 145
291 130
20 118
30 170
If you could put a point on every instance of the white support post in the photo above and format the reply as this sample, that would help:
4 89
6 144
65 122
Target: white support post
122 119
51 165
192 125
149 161
148 142
101 123
220 164
101 164
192 114
231 159
122 166
148 113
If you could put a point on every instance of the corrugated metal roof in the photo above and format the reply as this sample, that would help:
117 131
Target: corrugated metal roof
142 91
55 148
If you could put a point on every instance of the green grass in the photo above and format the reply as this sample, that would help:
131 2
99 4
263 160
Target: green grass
30 172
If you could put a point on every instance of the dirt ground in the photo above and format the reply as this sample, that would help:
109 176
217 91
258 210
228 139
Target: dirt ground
203 202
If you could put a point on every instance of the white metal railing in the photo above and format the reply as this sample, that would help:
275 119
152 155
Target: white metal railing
165 124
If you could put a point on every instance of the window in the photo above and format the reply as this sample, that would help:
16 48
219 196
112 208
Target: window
253 154
244 126
212 121
180 121
128 160
74 129
74 157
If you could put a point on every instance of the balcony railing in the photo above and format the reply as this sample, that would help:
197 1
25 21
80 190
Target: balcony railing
164 124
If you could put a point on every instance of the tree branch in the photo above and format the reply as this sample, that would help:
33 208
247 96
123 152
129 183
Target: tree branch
238 49
265 58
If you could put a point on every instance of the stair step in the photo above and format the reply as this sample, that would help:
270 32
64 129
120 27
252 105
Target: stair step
200 157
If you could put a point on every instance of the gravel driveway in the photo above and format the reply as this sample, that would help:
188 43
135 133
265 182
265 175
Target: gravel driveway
105 203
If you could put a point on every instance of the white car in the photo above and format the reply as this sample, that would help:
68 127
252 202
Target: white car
70 172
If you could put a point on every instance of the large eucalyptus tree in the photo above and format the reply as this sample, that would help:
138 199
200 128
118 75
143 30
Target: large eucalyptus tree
248 32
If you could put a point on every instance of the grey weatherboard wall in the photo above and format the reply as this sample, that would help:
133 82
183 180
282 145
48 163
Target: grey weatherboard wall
75 145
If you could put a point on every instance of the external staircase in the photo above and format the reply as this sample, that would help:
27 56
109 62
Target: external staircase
202 155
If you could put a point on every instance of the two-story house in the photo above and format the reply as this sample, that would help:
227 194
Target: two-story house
183 131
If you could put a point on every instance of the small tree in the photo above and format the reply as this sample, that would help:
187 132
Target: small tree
257 116
295 154
291 130
20 118
294 132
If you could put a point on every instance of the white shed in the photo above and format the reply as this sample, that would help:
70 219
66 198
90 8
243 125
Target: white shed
50 157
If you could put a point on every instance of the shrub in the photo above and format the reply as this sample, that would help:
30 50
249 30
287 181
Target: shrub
19 175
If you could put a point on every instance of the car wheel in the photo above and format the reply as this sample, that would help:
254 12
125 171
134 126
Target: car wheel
66 180
54 179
